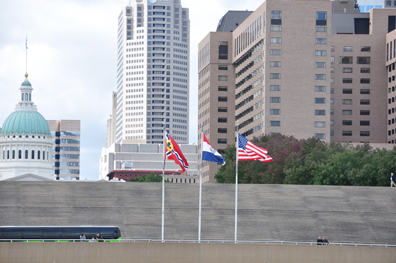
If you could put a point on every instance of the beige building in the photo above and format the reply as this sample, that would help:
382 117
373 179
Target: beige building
66 148
301 68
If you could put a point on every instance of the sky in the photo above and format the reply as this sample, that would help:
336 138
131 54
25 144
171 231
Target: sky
71 61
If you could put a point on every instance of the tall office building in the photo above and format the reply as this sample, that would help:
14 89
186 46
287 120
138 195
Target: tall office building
152 72
65 148
302 68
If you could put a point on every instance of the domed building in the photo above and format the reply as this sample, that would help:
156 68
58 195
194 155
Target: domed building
25 140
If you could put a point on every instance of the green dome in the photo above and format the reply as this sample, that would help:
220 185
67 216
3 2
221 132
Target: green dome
26 83
25 122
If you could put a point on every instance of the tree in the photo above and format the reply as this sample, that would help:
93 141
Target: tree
148 178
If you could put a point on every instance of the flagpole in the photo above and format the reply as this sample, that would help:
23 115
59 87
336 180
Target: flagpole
163 189
200 188
236 187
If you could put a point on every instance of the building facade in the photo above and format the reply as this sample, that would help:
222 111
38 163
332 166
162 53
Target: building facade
65 148
152 72
301 68
143 159
25 140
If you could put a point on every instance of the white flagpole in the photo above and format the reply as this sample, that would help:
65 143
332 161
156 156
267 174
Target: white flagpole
200 188
163 189
236 188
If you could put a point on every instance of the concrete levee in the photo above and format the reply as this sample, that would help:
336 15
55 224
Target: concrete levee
265 212
190 252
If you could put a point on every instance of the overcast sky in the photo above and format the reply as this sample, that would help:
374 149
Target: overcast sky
72 61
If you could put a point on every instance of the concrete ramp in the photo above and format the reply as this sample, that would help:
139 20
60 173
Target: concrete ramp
266 212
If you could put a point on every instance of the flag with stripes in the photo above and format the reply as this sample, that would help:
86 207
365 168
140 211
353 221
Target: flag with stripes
247 151
173 152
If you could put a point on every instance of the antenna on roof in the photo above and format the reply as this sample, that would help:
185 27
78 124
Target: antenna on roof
26 53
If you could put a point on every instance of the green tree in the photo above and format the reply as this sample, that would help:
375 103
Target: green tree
156 178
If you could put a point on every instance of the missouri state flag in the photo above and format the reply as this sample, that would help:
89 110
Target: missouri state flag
173 152
209 154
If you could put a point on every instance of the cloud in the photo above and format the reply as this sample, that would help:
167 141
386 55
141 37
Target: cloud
72 61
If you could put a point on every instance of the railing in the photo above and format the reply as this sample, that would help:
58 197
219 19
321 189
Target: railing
194 241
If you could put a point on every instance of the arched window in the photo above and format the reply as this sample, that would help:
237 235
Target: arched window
26 96
43 155
38 155
32 154
26 154
22 96
8 154
13 154
30 97
20 154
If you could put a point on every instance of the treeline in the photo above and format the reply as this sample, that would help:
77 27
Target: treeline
311 161
152 178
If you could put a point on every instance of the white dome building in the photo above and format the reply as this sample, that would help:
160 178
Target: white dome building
25 140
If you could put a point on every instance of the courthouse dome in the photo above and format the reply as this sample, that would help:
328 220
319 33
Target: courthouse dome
25 122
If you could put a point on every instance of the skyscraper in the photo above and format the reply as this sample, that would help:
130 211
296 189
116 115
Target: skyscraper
152 72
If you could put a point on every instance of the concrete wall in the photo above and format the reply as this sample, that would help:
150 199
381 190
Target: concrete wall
189 252
266 212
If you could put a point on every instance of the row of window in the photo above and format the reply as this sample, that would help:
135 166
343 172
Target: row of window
12 155
349 133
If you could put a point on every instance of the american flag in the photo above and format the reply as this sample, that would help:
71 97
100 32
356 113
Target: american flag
248 151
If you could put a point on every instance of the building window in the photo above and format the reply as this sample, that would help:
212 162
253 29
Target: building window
320 100
320 124
364 133
320 88
38 155
347 70
348 49
275 64
331 112
331 133
276 21
365 49
363 60
346 112
221 141
223 67
275 123
222 120
20 154
331 70
223 49
222 88
275 111
276 52
276 40
26 154
364 70
13 154
345 60
347 102
364 102
364 123
275 99
331 101
8 154
221 130
223 78
347 80
223 99
275 75
275 87
320 76
321 41
32 155
321 21
222 109
346 91
321 136
365 91
346 133
364 112
364 81
320 64
320 112
347 122
320 53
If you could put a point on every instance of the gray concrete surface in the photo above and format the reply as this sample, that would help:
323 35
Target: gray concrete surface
266 212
